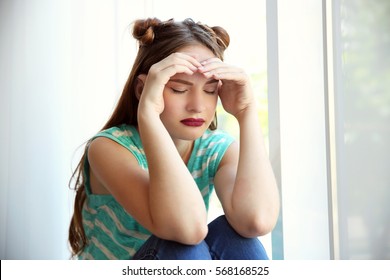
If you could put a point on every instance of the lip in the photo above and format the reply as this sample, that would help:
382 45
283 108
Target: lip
193 122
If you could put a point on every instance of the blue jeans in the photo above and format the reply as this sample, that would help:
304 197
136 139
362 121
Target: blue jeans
222 243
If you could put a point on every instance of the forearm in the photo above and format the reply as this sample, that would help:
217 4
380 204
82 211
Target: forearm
174 199
255 198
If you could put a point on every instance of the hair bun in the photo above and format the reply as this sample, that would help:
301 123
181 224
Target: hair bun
223 38
143 30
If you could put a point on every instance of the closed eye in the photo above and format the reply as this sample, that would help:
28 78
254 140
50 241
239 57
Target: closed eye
178 91
210 90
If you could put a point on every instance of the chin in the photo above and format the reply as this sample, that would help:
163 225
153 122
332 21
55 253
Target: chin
189 134
192 136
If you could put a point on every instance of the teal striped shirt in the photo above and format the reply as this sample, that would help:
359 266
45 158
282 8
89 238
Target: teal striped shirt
111 232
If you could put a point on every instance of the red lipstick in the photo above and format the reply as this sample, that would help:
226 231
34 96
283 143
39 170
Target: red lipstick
193 122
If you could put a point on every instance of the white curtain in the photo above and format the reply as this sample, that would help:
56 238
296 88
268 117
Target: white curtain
362 48
63 64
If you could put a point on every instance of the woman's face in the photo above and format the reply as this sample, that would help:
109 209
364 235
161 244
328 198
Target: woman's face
190 100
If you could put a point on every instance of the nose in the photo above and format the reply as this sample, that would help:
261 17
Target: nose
195 102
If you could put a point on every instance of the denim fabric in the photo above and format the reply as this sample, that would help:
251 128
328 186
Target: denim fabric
221 243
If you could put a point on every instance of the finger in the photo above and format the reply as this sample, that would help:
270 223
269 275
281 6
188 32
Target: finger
181 66
226 73
210 65
156 81
186 59
169 71
210 60
158 67
174 69
191 59
215 67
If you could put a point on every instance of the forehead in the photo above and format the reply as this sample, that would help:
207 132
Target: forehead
198 51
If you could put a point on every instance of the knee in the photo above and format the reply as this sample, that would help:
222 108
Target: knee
177 251
220 229
226 243
221 224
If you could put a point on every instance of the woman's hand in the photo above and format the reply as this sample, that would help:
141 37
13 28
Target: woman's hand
159 75
234 90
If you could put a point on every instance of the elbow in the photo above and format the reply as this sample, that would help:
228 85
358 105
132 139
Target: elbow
262 227
263 222
194 236
185 234
256 229
257 226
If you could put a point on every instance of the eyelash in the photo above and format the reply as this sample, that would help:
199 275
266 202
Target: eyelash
210 92
183 91
178 91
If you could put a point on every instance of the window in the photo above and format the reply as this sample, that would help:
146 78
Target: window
362 127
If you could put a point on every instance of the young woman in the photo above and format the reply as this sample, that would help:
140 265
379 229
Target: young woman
144 182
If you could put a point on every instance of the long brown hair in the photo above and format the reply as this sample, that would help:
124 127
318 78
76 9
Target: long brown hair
157 39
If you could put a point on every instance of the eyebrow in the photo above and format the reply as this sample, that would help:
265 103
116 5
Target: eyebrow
191 84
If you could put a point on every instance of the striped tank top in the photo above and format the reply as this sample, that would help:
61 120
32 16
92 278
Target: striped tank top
111 232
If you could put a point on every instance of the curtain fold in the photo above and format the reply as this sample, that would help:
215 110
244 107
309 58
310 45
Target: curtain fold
58 76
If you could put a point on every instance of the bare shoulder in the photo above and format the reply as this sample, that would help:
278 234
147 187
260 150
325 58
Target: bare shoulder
105 145
111 165
103 150
230 158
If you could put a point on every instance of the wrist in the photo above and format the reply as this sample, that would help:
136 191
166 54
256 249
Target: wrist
147 116
249 112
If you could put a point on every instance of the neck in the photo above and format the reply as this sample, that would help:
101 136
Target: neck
184 148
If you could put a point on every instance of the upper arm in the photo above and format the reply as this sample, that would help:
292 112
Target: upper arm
118 171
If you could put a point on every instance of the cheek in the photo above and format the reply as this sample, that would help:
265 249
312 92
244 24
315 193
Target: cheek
172 102
171 107
212 102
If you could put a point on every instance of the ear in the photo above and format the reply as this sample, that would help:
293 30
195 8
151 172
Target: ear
139 86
